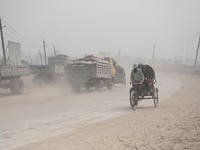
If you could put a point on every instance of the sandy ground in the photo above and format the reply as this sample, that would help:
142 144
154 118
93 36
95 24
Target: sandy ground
55 118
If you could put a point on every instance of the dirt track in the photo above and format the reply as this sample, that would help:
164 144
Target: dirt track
57 119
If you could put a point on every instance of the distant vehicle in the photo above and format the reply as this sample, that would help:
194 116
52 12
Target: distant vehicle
49 74
89 72
120 76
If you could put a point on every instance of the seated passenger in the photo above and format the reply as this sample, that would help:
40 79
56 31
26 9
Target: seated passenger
147 81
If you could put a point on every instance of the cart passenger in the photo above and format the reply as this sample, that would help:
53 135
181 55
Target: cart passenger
142 67
147 77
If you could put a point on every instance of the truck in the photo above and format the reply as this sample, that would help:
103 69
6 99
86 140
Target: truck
120 76
11 68
89 72
10 77
112 68
117 72
51 73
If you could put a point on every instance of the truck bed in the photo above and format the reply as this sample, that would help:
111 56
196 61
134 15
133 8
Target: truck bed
88 73
47 69
9 71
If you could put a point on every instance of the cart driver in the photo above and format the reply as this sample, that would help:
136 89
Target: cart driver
137 75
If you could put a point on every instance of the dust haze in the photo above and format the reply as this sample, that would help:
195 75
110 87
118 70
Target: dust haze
163 34
77 28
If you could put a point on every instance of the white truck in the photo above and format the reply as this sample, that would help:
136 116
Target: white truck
89 72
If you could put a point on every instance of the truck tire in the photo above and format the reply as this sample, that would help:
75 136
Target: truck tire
17 86
99 85
87 86
37 81
109 85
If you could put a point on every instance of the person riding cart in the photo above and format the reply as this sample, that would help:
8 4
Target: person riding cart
139 91
137 76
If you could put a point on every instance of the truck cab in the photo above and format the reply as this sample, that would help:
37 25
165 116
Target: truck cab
113 67
52 73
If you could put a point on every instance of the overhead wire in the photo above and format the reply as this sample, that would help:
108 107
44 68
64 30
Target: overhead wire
28 44
16 35
189 37
17 32
25 43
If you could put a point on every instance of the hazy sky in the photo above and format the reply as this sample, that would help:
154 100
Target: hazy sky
77 27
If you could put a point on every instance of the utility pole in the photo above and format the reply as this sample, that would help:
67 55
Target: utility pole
45 56
54 50
153 53
40 57
195 62
30 58
3 47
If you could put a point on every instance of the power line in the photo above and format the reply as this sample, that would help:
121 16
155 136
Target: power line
9 36
179 41
21 39
17 32
27 44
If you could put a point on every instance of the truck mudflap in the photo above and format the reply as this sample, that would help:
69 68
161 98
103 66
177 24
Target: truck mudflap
9 71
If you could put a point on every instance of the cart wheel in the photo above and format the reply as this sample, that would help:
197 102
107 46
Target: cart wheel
17 86
133 100
155 97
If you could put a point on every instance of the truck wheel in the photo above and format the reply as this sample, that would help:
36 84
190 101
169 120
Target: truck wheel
5 86
87 86
75 87
37 81
99 85
109 85
17 86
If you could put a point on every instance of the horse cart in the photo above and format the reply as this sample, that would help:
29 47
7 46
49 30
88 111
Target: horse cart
146 90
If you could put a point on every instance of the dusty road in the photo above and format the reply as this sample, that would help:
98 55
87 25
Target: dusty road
57 119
